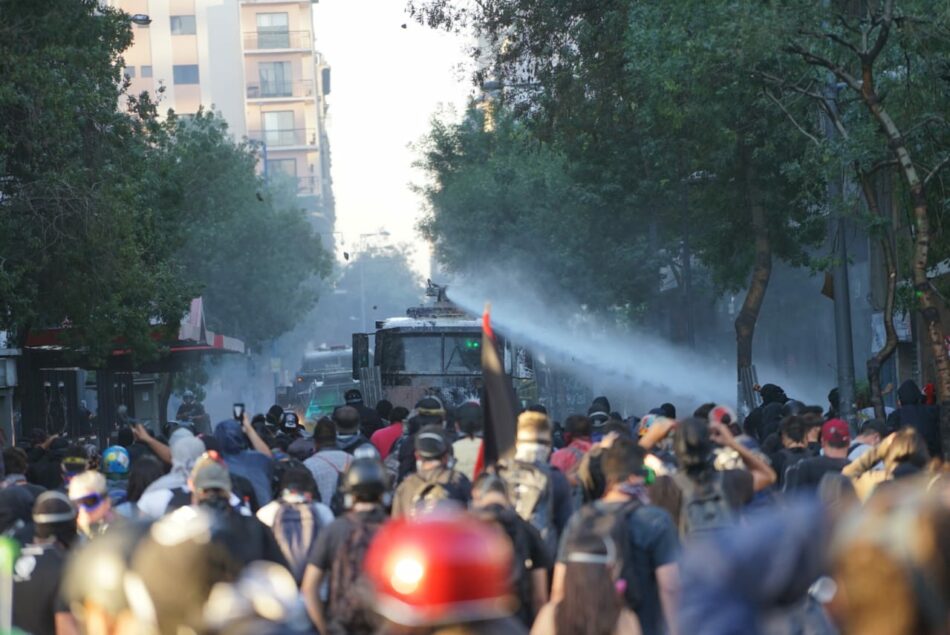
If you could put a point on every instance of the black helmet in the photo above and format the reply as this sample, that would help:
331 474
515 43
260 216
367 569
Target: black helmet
693 446
365 481
792 407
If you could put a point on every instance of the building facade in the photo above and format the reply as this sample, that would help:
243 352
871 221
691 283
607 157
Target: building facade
254 62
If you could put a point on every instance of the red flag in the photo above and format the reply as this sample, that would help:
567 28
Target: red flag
498 401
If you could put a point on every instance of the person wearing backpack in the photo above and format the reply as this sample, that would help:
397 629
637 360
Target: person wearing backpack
490 502
591 604
245 537
295 517
710 499
540 493
644 536
328 464
434 480
338 556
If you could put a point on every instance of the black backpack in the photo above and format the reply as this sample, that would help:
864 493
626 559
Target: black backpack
181 497
613 522
531 492
704 507
295 528
520 580
348 607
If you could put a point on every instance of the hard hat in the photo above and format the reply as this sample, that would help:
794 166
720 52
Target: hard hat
441 568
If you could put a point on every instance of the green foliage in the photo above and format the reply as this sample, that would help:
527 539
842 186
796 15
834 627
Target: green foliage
652 130
249 244
501 198
112 219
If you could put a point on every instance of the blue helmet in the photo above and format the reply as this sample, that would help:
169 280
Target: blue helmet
116 461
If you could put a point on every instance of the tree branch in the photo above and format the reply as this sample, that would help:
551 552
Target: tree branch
929 119
817 60
887 16
791 118
941 165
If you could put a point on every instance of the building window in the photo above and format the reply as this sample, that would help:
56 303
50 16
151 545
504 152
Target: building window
146 70
279 128
129 72
282 167
276 79
185 73
273 31
183 24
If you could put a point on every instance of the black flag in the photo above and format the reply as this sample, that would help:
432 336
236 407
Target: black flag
498 401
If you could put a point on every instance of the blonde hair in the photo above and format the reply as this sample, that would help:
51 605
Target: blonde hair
534 422
86 483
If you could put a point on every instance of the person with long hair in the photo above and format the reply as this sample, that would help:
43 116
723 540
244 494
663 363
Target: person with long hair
591 603
145 471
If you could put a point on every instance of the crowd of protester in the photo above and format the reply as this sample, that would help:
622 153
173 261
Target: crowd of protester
388 520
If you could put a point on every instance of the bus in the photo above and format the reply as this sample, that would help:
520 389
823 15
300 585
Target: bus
323 378
434 350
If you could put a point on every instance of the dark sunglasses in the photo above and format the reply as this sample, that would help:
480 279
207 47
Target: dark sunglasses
90 502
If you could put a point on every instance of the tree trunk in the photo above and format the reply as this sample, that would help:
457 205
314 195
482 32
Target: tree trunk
761 270
927 305
877 360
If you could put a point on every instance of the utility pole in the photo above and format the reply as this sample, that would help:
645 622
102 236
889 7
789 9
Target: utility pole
844 347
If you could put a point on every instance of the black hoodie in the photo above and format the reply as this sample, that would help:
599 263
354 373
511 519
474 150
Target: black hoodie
915 414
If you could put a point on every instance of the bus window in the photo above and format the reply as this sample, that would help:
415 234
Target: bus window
412 353
463 354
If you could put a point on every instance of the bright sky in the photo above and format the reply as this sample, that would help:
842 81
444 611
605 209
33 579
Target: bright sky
386 83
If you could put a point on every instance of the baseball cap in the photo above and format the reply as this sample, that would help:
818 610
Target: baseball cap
835 432
210 472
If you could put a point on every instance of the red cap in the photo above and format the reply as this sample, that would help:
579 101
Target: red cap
835 431
440 569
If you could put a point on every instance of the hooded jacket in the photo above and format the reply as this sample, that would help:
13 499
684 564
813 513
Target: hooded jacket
250 464
755 422
915 413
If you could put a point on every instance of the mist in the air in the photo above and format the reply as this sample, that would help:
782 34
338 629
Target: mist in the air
635 368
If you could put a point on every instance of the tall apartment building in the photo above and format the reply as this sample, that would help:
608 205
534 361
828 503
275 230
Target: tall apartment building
253 61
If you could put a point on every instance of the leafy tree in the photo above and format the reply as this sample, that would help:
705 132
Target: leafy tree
890 59
246 242
500 198
75 238
654 107
112 219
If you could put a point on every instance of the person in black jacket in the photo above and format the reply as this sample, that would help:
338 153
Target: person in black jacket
755 422
915 413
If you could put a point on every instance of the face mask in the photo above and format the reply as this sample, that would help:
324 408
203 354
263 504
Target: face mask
532 452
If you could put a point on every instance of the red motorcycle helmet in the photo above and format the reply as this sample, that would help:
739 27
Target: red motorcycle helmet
440 568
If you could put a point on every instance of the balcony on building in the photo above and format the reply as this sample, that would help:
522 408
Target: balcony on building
285 139
308 186
276 41
280 90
